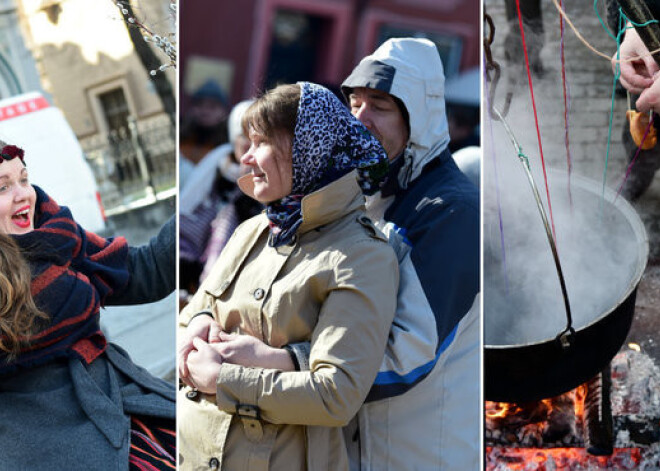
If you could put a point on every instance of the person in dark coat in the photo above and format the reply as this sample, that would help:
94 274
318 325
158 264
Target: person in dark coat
68 398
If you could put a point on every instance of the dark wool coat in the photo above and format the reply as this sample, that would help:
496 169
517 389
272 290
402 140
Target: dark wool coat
72 412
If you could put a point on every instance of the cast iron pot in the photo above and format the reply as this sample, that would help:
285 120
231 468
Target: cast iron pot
521 371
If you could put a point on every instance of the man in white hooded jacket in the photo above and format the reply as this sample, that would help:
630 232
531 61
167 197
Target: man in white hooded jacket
424 409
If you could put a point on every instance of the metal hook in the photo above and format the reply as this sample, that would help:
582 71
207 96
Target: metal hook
493 72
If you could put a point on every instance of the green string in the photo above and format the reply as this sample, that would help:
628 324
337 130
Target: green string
607 30
623 25
523 158
602 23
617 74
650 22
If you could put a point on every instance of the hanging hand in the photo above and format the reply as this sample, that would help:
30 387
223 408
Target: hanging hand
649 100
636 75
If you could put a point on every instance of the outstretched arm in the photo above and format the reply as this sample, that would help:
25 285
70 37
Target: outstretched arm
151 268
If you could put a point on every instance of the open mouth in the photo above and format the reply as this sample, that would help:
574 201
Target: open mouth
258 176
22 217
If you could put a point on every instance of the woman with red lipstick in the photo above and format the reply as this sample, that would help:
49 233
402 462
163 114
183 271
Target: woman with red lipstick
310 268
68 398
17 197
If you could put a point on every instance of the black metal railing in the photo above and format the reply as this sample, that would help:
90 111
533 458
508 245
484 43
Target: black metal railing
133 161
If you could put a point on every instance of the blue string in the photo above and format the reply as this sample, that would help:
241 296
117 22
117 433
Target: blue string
617 73
607 30
637 24
602 23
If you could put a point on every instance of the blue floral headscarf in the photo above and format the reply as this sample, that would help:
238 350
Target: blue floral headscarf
328 143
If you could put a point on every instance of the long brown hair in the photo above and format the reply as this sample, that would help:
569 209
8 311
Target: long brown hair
18 312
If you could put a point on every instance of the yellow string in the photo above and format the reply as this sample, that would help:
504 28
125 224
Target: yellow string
593 49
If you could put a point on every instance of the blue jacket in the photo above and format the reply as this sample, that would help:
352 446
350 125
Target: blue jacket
438 216
70 415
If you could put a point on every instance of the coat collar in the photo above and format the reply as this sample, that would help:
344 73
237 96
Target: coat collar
331 202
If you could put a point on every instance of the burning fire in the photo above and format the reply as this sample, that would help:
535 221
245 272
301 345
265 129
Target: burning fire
500 410
550 434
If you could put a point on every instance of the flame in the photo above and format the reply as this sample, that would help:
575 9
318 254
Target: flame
580 394
499 410
634 346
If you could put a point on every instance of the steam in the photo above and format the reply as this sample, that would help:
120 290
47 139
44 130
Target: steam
601 246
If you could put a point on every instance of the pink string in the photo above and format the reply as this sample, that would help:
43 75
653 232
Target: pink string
632 162
566 104
536 120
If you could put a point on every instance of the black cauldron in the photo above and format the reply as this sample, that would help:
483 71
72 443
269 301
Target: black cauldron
603 249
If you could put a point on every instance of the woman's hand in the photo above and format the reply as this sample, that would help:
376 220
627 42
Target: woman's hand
246 350
202 327
204 366
636 75
649 100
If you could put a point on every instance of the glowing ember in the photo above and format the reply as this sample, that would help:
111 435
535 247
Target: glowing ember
577 459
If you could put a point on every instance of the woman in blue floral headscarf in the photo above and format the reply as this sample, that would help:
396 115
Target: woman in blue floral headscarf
310 268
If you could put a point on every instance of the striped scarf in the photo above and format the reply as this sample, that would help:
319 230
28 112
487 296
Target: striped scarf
73 271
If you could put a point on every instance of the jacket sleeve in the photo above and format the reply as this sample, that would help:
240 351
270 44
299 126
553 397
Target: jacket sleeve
151 268
444 272
612 10
412 342
445 254
346 349
410 353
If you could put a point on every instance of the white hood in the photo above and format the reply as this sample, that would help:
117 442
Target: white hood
411 70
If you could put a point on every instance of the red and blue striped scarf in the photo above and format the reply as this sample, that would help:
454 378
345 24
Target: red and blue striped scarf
73 271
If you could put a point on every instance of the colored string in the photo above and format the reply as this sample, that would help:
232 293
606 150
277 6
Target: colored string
497 184
623 21
569 160
632 162
602 23
536 120
617 74
593 49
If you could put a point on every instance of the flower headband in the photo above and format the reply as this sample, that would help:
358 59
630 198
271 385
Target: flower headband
9 152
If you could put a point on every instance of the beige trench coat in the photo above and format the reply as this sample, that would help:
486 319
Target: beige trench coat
335 287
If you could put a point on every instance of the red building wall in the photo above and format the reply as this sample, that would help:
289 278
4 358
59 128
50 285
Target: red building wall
240 32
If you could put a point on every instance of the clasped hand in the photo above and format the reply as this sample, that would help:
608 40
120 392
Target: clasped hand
205 347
